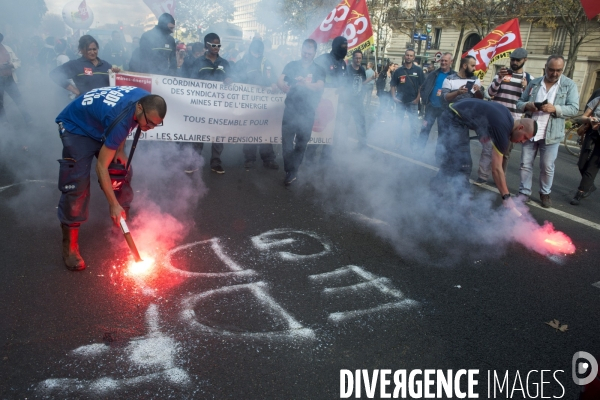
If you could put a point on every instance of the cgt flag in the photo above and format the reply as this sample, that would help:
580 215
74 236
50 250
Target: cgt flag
350 19
160 7
495 46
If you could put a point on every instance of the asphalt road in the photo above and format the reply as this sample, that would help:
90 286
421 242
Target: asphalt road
266 292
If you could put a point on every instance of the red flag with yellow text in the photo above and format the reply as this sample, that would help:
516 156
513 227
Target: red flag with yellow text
495 46
350 19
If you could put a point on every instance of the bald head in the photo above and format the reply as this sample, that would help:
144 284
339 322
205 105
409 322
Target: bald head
523 130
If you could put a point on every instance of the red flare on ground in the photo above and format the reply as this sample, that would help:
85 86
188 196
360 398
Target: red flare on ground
554 242
141 268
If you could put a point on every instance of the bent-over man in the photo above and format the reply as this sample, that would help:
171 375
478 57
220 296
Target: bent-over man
96 125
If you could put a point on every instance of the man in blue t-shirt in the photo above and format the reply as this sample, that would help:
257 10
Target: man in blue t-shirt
96 125
492 122
431 95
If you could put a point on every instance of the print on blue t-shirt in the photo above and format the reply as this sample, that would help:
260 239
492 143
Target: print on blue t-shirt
92 113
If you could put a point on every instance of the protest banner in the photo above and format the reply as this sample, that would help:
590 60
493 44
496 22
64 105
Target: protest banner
207 111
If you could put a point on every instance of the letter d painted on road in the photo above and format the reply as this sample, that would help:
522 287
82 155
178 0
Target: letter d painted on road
582 368
346 383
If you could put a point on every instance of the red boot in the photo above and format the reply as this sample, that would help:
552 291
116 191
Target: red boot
70 248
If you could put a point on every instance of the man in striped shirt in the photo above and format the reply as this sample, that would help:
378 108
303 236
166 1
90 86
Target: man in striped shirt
506 88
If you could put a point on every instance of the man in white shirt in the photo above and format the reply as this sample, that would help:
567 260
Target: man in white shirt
549 100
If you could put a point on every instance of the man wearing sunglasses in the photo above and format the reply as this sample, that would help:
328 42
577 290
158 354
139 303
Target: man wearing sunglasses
212 67
96 125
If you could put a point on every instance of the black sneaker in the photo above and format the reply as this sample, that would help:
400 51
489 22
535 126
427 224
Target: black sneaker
271 165
290 177
248 165
480 181
586 194
578 196
218 169
546 202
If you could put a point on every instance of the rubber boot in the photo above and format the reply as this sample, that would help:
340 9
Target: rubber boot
70 248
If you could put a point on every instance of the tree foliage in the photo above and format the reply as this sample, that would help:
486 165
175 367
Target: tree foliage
54 25
570 15
481 15
295 16
383 15
23 16
191 14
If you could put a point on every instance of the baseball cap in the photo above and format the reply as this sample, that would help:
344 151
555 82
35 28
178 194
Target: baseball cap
519 53
181 46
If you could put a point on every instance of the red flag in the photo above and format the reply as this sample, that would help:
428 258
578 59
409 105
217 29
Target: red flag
83 11
495 46
350 19
591 8
160 7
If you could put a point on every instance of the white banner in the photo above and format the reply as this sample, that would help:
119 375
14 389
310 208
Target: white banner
207 111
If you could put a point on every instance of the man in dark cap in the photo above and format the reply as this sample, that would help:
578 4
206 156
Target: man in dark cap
254 69
157 48
336 76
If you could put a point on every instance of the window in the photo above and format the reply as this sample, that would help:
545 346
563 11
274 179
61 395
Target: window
437 37
558 41
470 42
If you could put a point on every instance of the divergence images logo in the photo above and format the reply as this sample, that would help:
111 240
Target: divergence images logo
581 368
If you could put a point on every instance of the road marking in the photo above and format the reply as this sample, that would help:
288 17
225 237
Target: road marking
597 284
563 214
3 188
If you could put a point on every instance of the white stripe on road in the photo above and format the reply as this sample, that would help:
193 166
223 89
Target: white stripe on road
493 189
597 284
26 181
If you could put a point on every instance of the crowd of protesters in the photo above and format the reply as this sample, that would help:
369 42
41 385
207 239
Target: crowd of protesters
412 96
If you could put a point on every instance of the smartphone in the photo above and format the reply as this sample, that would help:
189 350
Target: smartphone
509 71
539 105
469 85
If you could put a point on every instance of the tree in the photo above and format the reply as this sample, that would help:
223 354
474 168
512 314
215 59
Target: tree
53 25
295 16
23 17
481 15
383 14
192 14
570 15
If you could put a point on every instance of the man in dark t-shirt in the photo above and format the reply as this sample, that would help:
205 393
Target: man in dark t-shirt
491 121
405 90
303 81
352 97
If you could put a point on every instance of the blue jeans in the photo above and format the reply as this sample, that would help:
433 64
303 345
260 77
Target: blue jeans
548 153
412 110
431 115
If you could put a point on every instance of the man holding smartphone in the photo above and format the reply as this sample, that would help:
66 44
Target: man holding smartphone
506 88
460 85
562 101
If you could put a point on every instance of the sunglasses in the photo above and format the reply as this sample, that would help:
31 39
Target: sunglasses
150 123
213 45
